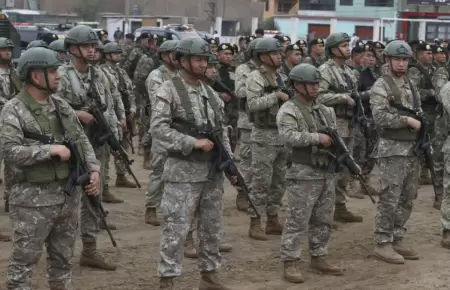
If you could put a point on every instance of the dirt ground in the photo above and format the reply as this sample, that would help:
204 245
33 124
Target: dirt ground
255 265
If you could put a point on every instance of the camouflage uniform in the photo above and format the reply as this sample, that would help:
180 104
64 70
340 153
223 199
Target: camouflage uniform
445 207
334 82
384 69
239 58
143 69
395 157
133 58
185 180
73 88
317 62
126 51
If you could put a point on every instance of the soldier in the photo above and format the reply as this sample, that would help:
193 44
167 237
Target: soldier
37 43
304 46
420 73
120 85
379 49
58 47
145 65
226 76
142 46
310 188
439 78
9 86
392 96
158 154
335 91
269 155
355 61
294 56
363 147
244 125
77 79
102 35
41 213
285 41
316 52
186 99
241 57
213 45
127 47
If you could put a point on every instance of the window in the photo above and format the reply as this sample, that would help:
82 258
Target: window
379 3
346 2
327 5
284 6
437 30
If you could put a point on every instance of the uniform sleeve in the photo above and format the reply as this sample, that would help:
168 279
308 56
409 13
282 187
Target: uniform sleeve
240 80
415 76
326 95
153 82
439 79
129 87
131 58
11 140
291 132
380 105
226 139
161 120
257 99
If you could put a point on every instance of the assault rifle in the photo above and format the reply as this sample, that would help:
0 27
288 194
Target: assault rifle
342 158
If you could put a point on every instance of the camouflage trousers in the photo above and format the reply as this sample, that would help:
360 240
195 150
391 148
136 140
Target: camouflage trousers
180 203
440 128
89 219
310 211
430 117
155 185
398 190
245 153
7 179
119 170
268 178
344 176
54 227
363 148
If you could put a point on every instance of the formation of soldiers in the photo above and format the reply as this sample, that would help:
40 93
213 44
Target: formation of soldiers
311 120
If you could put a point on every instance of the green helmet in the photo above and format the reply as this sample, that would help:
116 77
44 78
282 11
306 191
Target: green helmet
99 45
266 45
58 45
305 73
38 58
252 46
212 60
335 39
37 43
6 43
398 48
112 47
80 34
193 46
168 46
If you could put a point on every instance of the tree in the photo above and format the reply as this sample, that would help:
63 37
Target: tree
271 24
87 9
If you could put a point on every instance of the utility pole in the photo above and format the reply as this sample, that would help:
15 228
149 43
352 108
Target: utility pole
127 28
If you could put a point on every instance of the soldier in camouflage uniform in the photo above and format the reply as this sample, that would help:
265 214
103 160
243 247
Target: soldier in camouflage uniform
213 45
244 125
58 46
439 78
420 74
335 91
355 61
241 56
127 47
303 45
392 97
285 41
77 79
120 84
294 56
316 52
269 155
310 188
156 78
226 76
186 99
41 213
102 36
141 47
379 49
363 147
9 86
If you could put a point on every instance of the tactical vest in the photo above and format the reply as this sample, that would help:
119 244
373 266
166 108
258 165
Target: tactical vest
196 154
53 169
266 119
401 134
313 155
343 111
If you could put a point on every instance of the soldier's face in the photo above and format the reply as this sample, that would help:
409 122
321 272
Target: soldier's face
225 56
318 49
97 55
425 57
211 72
195 64
62 55
344 49
243 45
308 90
213 48
294 57
6 53
368 58
115 57
440 57
398 65
272 59
104 38
53 77
87 51
356 58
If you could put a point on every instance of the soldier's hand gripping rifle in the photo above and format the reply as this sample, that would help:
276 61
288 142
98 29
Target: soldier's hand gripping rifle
342 158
